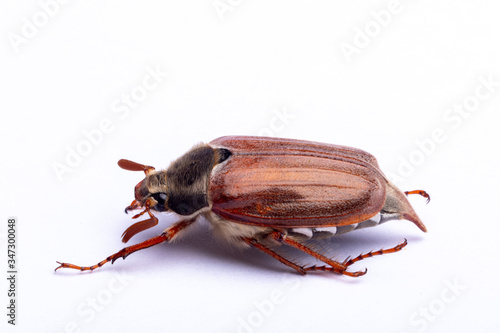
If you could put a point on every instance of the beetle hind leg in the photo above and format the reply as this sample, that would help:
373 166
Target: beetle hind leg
348 262
419 192
331 269
255 243
334 266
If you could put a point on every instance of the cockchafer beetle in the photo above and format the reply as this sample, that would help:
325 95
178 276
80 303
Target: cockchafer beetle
261 192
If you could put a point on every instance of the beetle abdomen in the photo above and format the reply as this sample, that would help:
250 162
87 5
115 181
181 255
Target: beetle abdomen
292 183
324 232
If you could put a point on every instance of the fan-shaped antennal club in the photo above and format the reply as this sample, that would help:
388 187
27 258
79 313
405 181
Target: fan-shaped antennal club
134 166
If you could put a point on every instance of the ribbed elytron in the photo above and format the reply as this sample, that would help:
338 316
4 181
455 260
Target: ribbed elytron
262 192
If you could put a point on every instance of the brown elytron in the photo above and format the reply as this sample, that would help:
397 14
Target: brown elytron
296 183
264 192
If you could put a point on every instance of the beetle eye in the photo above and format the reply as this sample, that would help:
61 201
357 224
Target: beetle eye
161 198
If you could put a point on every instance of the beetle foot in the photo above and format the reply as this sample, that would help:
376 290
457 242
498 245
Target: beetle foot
420 192
348 261
125 252
334 270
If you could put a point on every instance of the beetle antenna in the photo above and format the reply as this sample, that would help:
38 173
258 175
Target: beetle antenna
134 166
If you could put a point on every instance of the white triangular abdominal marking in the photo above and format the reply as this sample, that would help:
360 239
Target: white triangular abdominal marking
375 220
308 232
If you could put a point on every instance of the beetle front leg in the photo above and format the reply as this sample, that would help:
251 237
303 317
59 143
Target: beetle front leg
141 225
167 235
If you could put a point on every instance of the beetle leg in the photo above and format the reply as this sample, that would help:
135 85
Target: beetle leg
331 269
420 192
255 243
140 226
348 262
167 235
282 238
336 266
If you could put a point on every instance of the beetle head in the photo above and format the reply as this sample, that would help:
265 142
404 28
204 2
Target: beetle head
151 192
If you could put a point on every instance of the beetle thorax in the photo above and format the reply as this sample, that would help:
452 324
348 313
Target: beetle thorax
187 180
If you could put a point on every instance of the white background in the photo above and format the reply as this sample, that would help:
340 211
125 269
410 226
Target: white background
232 70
